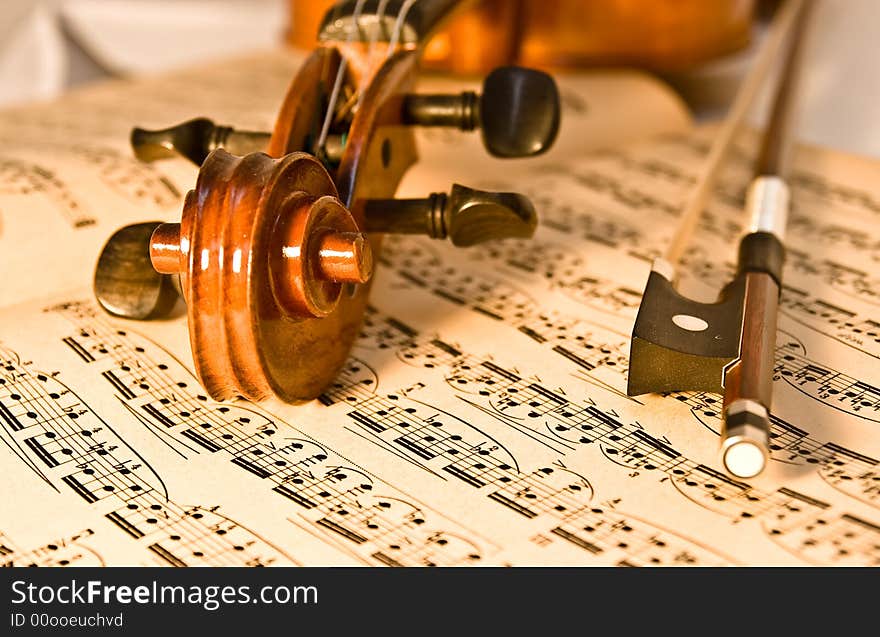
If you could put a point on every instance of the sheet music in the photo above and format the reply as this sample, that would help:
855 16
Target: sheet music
481 418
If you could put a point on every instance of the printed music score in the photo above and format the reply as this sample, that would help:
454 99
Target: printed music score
482 417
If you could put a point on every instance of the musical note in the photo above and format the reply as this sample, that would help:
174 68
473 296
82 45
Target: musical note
533 409
26 180
829 386
333 496
68 551
483 464
77 451
482 416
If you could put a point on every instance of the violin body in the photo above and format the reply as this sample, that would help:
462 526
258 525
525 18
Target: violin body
661 35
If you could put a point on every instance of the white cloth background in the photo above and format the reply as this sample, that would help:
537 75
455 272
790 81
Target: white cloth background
49 45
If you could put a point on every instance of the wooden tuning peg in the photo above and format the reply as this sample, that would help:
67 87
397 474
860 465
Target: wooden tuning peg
194 140
518 111
466 216
125 282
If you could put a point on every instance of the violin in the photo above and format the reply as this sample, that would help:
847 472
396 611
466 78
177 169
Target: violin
275 247
660 35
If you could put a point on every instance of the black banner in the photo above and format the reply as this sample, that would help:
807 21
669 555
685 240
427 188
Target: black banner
151 601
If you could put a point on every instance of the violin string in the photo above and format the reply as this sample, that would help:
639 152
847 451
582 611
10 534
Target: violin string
398 25
340 74
374 38
325 70
380 24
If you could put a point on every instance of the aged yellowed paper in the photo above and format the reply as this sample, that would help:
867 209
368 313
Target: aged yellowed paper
482 417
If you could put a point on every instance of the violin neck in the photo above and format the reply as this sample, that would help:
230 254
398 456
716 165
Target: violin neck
405 22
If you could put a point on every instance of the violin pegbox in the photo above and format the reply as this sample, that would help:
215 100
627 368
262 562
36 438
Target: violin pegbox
275 246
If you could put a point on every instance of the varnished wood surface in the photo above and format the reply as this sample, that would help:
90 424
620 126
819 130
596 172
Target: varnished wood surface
751 376
665 35
256 329
264 319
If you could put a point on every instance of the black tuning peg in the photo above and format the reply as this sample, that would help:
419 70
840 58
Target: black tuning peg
125 282
466 216
518 111
195 139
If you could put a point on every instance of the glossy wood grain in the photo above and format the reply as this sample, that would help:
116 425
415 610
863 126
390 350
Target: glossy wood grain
665 35
270 248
